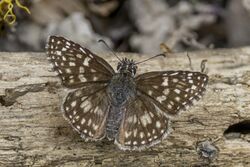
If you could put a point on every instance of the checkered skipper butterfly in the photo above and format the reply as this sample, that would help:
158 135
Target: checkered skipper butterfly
134 111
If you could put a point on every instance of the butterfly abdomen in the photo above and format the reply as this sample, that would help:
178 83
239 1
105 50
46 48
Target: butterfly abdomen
113 122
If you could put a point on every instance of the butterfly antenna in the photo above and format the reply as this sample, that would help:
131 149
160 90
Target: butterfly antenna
151 58
102 41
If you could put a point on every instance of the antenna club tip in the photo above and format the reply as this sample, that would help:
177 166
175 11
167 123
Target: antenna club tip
100 40
162 54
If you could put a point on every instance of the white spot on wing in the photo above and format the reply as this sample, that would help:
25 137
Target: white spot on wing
135 119
59 53
165 82
92 70
193 87
89 122
95 127
128 142
150 92
161 98
127 134
71 81
79 56
82 78
130 119
166 91
81 69
158 124
141 134
85 105
169 106
90 55
177 91
72 64
177 98
175 73
190 81
155 86
68 70
175 80
135 132
82 50
73 104
146 119
86 61
83 121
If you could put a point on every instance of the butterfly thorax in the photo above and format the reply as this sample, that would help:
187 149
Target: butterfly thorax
121 89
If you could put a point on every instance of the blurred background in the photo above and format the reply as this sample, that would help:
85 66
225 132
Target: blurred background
126 25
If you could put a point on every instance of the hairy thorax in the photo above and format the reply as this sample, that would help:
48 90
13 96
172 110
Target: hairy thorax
121 89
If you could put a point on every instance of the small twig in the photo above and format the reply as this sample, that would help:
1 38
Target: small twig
203 66
190 62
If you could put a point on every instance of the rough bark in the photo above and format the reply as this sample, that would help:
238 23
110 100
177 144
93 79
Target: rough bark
33 131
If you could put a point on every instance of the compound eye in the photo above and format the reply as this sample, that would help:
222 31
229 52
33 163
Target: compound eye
133 71
118 66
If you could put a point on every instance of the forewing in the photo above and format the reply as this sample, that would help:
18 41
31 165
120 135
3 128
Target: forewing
86 109
143 125
76 65
172 91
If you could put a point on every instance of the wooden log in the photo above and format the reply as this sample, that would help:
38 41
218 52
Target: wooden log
214 132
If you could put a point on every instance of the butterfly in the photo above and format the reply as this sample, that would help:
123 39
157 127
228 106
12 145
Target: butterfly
132 110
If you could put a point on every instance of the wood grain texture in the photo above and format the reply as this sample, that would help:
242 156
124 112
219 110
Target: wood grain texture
33 131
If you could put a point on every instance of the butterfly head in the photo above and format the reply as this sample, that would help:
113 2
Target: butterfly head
127 66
